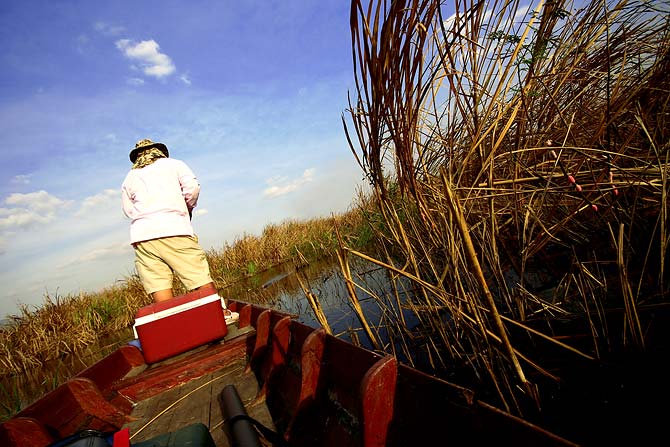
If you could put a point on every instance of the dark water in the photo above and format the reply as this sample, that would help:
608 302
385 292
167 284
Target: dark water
617 401
277 288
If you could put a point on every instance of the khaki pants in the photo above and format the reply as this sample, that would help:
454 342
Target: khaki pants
157 259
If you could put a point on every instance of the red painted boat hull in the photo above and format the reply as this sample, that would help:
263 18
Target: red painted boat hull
319 390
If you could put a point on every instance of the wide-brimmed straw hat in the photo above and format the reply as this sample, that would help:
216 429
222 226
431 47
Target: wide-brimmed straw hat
146 144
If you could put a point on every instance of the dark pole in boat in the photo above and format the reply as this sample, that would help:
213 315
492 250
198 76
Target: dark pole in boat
238 426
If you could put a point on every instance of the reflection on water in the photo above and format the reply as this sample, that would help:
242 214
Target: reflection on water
277 288
280 289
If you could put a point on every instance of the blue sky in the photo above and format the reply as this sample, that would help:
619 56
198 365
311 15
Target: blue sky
249 93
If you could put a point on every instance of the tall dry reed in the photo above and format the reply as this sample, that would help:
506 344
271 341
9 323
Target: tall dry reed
518 154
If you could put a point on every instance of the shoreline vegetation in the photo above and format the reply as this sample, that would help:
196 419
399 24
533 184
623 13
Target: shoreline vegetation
519 161
64 325
519 155
68 326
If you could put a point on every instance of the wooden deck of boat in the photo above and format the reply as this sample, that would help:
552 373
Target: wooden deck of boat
181 396
320 390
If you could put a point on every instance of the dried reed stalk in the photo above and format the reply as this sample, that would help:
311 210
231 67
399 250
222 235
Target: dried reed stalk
549 123
314 303
351 291
474 264
632 320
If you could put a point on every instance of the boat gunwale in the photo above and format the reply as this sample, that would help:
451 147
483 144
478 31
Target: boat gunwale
278 347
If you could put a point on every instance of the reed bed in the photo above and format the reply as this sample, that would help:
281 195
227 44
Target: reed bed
291 240
518 155
63 326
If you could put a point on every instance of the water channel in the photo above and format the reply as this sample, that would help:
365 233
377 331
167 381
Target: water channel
325 281
278 288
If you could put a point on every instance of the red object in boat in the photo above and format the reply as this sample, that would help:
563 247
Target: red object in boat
301 384
171 327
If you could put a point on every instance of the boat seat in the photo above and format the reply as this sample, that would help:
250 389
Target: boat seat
277 361
357 387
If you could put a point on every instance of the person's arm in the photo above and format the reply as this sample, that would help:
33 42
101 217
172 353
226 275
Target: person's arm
126 202
190 187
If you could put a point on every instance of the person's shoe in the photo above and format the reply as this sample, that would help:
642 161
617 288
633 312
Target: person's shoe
231 317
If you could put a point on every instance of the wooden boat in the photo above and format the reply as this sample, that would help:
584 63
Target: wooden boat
289 380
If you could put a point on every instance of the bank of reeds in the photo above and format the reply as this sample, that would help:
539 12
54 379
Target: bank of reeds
63 325
292 240
519 159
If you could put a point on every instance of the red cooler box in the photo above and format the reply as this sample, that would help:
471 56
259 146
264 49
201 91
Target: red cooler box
184 322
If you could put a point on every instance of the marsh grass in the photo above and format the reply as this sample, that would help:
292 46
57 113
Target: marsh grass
64 326
291 240
518 155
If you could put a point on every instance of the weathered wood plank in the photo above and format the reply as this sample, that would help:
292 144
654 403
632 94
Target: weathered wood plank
194 401
153 419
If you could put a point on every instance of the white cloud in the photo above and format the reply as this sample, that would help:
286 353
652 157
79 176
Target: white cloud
108 30
112 138
147 54
135 81
334 190
99 201
280 186
81 43
200 212
21 179
27 210
40 201
521 13
20 218
104 253
185 79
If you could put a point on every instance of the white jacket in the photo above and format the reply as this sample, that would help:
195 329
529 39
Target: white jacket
158 199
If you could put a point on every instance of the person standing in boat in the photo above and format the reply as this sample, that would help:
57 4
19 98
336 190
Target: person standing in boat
159 195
